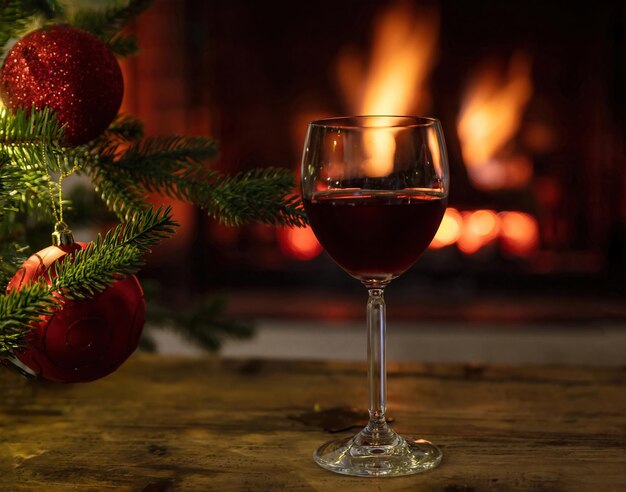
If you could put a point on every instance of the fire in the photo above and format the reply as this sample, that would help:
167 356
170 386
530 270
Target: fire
449 230
395 82
517 232
520 233
299 243
490 117
379 145
480 227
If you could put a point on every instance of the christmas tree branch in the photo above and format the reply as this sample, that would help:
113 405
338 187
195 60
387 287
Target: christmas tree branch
10 181
124 129
123 45
204 323
11 256
31 139
15 16
21 191
174 166
119 192
167 154
29 151
264 195
118 254
30 127
105 23
145 230
17 310
93 269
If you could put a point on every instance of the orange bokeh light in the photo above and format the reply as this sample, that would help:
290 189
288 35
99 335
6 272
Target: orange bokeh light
519 233
450 229
480 227
299 243
483 223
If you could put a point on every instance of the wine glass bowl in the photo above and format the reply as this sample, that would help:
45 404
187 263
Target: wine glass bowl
375 190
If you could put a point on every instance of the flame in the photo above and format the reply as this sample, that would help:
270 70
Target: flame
490 117
395 82
379 145
449 230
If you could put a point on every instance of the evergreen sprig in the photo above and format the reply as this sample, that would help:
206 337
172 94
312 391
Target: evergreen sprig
30 149
118 254
30 127
264 195
10 181
176 167
94 268
21 190
170 154
32 139
204 323
119 192
15 16
18 309
144 230
107 24
124 129
123 45
11 256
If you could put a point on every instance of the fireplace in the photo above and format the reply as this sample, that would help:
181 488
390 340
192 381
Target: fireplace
530 96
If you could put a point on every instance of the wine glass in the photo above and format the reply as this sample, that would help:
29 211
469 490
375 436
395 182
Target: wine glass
375 189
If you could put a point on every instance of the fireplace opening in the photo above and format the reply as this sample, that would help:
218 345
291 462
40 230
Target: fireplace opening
530 96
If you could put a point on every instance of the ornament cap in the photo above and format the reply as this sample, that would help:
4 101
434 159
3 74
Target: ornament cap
62 235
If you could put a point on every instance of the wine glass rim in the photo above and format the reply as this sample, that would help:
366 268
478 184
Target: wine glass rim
351 122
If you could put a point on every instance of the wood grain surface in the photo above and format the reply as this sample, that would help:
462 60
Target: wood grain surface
163 423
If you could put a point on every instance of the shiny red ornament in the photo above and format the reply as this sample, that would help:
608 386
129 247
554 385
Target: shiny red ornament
68 70
84 340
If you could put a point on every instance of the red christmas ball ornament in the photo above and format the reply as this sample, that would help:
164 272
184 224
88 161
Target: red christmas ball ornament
82 340
69 71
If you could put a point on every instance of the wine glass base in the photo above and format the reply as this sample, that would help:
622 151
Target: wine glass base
403 456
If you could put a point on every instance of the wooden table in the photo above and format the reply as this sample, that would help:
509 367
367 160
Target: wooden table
206 424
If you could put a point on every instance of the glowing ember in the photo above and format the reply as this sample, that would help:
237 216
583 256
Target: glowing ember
519 233
479 228
395 80
483 223
490 117
449 231
299 243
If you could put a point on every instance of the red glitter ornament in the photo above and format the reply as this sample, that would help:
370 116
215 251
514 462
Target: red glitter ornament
68 70
84 340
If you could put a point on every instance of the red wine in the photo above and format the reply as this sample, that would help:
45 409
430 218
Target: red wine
375 234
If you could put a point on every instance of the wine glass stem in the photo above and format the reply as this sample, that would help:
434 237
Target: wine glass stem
377 372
